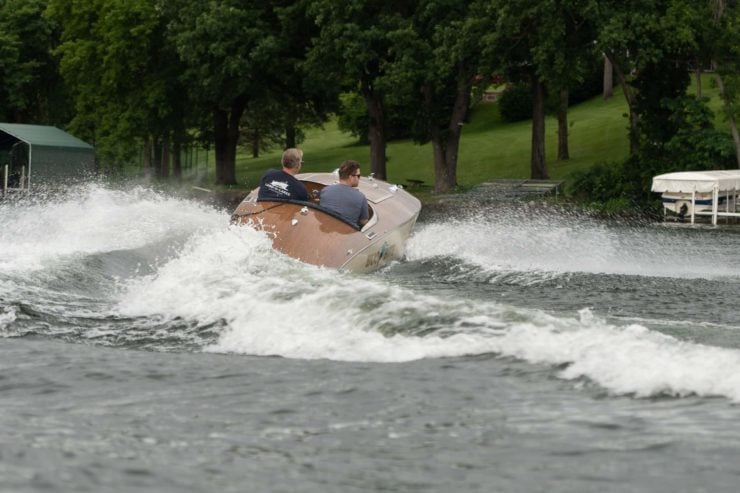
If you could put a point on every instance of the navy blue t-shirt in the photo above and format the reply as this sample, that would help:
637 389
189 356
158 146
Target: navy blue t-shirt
277 184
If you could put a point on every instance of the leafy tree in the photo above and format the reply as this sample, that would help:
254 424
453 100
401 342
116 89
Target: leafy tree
601 183
690 142
241 55
562 51
515 102
263 127
32 90
696 145
646 40
443 50
352 118
303 100
355 48
547 45
122 75
230 51
722 47
653 45
509 45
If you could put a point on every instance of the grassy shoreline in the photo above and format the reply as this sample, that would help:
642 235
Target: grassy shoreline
489 149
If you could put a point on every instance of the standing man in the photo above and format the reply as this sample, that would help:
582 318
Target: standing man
282 184
343 198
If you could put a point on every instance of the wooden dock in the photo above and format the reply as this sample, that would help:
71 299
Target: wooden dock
519 188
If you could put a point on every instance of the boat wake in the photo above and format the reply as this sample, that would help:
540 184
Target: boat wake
514 240
146 271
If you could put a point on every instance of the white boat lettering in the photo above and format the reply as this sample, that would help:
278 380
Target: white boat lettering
376 258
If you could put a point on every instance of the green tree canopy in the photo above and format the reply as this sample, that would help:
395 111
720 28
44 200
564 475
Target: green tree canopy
122 73
32 90
356 48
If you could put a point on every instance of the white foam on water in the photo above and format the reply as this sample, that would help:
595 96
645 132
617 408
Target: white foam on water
7 316
628 360
91 219
525 242
274 305
270 304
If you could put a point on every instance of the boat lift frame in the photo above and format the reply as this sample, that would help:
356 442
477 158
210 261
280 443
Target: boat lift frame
24 183
730 196
699 186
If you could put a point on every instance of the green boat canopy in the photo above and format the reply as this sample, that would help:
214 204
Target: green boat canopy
37 154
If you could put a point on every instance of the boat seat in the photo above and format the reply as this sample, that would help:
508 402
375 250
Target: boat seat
314 205
373 219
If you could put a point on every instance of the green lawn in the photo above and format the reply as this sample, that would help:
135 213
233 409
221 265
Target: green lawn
489 149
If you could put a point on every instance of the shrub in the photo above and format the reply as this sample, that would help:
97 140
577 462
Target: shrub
352 117
590 86
515 103
600 183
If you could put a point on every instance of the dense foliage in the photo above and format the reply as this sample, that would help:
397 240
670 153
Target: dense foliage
31 88
156 75
515 102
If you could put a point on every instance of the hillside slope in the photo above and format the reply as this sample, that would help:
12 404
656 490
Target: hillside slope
490 148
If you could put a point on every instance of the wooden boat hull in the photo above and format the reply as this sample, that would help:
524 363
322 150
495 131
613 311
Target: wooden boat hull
307 232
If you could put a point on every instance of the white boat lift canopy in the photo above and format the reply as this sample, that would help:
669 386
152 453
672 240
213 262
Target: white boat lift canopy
687 184
697 181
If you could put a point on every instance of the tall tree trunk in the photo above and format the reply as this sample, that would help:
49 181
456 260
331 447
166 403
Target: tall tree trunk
220 141
164 164
729 111
376 131
226 136
290 136
538 166
718 10
446 145
608 84
698 73
630 95
157 163
563 152
147 158
255 143
177 158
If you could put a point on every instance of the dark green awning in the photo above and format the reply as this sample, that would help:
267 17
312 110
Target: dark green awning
38 154
39 135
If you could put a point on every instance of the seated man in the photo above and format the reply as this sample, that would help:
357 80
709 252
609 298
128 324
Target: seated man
282 184
343 198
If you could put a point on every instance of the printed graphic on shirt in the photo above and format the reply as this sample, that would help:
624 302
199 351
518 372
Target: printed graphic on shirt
278 187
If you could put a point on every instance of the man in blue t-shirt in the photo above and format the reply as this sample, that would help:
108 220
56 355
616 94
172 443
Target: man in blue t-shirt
343 198
282 184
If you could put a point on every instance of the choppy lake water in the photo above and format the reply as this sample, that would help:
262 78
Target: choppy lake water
146 345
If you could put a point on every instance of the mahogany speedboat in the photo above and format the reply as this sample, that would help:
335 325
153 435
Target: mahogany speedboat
312 234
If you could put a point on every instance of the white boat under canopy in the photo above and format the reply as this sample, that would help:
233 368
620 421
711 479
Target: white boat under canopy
699 193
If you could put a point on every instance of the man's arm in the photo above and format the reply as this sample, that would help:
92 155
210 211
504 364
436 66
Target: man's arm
364 215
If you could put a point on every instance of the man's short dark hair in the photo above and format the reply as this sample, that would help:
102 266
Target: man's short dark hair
348 168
